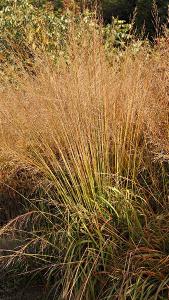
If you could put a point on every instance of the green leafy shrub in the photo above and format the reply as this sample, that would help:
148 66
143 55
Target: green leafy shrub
25 26
29 26
117 35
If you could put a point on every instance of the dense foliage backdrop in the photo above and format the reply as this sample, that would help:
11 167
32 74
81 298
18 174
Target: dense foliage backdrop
149 14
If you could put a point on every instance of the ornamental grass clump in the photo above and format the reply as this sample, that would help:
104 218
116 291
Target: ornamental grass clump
96 224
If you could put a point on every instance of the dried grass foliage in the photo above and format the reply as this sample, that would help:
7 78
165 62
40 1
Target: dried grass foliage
98 134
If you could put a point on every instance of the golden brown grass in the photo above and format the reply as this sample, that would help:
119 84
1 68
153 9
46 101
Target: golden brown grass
96 135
